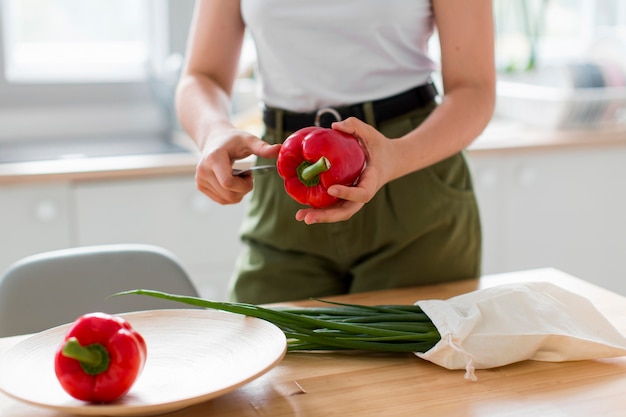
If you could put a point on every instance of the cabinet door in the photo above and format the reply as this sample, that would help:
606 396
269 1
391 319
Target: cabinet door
562 208
33 219
567 209
169 212
489 175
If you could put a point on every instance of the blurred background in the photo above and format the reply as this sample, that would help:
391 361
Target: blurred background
91 152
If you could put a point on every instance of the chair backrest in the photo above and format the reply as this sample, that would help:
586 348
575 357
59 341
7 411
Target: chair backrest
54 288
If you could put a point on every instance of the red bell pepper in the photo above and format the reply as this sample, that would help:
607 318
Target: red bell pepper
314 158
100 358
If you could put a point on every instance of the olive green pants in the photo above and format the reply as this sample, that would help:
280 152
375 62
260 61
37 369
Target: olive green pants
423 228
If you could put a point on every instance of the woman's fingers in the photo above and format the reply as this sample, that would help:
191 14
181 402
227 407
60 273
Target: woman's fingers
341 211
214 175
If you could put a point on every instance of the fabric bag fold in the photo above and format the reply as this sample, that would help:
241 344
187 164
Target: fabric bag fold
510 323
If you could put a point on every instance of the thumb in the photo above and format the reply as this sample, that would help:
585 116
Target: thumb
266 150
353 126
259 147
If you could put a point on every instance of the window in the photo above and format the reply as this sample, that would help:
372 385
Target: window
88 67
76 41
545 32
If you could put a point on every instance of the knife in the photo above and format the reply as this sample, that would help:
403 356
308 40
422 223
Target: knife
257 170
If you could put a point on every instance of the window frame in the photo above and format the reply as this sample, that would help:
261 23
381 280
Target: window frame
43 110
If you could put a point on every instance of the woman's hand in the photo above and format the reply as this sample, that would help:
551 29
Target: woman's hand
468 72
203 102
378 171
222 148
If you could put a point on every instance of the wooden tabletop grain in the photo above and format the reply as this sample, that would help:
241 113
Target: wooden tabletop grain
382 384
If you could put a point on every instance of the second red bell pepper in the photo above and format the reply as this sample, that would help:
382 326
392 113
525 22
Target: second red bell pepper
315 158
100 358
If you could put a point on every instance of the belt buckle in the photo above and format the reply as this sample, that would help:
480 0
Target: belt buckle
326 110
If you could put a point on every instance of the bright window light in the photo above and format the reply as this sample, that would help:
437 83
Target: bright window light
76 40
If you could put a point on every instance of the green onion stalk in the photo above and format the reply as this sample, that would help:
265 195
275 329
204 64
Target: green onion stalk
333 326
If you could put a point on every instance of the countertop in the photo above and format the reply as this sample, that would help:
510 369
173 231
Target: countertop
109 167
385 384
500 136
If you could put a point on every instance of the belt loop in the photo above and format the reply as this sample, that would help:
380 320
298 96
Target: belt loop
368 114
278 125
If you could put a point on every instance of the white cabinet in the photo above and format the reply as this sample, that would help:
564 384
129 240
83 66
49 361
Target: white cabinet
165 211
33 218
561 207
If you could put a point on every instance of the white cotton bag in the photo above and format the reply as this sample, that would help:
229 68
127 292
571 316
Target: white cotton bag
510 323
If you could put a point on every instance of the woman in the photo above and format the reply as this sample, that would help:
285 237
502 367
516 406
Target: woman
412 218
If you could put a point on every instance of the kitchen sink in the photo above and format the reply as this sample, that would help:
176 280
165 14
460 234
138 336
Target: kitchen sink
74 148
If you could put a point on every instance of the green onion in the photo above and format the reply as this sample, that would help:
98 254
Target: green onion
391 328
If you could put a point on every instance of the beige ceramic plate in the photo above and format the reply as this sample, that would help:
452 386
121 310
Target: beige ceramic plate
193 356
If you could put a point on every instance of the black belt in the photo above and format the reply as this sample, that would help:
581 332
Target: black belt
384 109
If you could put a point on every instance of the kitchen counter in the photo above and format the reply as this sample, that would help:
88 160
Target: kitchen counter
385 384
505 135
499 136
181 159
79 169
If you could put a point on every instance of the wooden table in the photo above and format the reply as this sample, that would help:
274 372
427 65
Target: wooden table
381 384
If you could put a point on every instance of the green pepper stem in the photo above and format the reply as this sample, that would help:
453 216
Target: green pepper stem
315 169
94 358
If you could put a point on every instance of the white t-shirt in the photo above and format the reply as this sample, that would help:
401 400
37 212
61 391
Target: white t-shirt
318 53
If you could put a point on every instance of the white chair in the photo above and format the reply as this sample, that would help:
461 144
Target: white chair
53 288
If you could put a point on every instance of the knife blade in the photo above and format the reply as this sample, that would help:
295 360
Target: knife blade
257 170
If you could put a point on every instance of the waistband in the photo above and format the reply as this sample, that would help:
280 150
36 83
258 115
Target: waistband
381 110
